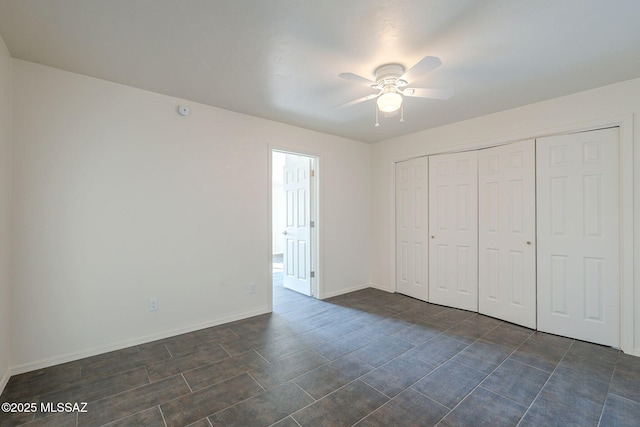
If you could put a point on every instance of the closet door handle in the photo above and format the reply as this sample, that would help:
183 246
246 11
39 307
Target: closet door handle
433 237
528 242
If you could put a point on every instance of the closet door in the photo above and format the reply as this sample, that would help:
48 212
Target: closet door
578 236
411 228
453 230
507 229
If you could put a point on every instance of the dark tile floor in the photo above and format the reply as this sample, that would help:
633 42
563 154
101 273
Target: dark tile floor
367 358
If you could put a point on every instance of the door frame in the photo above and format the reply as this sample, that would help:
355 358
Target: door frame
629 182
316 281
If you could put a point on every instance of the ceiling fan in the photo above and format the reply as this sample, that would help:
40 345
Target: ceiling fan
391 83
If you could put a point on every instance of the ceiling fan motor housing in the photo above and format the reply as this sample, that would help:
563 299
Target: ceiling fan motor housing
389 74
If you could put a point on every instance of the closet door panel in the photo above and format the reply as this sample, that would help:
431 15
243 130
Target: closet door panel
578 214
411 228
506 215
453 230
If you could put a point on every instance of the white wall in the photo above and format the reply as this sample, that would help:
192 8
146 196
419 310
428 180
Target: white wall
5 231
117 199
576 111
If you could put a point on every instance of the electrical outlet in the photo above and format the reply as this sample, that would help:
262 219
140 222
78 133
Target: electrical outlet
153 304
252 287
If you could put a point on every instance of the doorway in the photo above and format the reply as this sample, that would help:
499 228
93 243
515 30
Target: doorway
294 227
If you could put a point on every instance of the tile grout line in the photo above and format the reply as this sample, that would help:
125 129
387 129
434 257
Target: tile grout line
606 396
168 351
486 375
162 415
186 382
545 383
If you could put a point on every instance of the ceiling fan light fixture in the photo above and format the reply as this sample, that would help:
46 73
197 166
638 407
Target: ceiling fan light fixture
389 102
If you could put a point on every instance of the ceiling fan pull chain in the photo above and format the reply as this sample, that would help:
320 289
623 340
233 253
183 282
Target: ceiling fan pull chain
402 113
377 123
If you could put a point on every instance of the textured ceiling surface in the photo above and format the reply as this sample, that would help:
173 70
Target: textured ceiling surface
280 59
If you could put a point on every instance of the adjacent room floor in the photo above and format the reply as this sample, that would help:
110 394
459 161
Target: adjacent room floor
367 358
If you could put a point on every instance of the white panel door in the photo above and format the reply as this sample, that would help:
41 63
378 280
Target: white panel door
453 230
578 236
297 233
411 228
506 233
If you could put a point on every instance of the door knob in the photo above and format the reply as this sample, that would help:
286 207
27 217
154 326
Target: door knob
284 232
433 237
528 242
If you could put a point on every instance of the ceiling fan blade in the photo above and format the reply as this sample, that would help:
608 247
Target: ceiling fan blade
357 101
356 78
426 64
423 92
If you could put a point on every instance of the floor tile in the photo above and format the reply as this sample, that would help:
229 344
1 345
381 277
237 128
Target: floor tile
381 351
578 390
520 383
345 344
591 358
247 344
223 370
266 327
192 342
401 303
265 408
450 383
626 378
337 329
437 350
369 358
484 408
207 401
541 353
286 422
330 377
344 407
508 335
482 356
395 376
283 370
175 365
200 423
620 412
384 328
179 348
472 328
122 405
87 390
150 417
450 317
57 420
549 413
17 418
418 333
421 313
409 409
108 367
287 346
20 387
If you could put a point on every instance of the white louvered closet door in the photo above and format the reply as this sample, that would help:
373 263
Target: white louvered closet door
507 231
453 230
578 214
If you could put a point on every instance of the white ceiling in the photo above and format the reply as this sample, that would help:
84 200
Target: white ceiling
280 59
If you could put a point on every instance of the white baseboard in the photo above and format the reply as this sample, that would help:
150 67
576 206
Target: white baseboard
4 380
352 289
382 288
45 363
